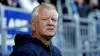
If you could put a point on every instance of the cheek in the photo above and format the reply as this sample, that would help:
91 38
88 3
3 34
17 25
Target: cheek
56 25
42 26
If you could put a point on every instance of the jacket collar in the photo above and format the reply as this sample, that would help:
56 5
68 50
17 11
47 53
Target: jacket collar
36 41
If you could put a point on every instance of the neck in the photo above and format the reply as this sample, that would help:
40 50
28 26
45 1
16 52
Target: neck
43 39
80 4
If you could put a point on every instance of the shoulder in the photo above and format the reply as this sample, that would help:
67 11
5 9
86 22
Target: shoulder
57 50
28 46
26 49
21 52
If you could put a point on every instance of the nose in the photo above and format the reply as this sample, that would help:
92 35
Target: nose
50 22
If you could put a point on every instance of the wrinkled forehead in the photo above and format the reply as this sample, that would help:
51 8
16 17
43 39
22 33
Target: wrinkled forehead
48 12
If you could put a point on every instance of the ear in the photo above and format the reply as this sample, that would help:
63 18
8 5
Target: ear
33 25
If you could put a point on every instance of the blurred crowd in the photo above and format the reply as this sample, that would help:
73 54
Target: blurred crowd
82 7
25 4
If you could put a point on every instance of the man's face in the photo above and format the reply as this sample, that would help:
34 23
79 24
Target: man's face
46 22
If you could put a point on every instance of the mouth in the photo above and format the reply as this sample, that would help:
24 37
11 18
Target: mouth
50 29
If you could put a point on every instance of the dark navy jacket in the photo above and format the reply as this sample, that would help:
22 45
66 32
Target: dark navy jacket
25 45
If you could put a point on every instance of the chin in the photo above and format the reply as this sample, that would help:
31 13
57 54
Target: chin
48 37
51 35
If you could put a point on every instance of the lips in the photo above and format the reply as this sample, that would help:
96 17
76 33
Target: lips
50 29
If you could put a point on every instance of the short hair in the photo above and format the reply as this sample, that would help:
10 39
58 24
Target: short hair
43 5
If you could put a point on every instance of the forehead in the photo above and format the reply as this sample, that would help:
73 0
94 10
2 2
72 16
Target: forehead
47 12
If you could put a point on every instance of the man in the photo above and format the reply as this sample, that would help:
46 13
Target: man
44 27
82 8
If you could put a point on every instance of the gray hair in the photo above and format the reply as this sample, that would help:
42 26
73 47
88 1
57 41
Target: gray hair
43 5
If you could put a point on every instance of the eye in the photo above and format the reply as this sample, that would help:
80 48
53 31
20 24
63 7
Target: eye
44 18
53 19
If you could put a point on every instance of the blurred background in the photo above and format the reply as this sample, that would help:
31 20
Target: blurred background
78 29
